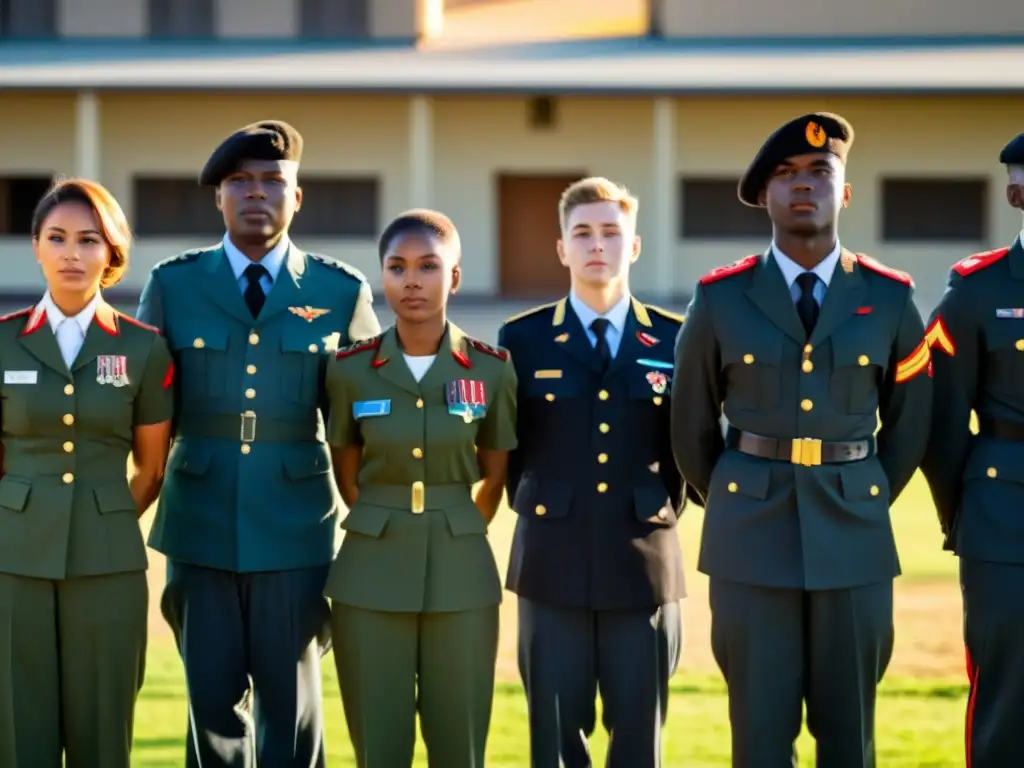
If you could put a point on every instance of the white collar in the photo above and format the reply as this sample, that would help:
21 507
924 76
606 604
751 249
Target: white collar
56 318
272 261
791 270
616 315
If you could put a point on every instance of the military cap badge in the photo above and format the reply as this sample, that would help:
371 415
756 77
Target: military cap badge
815 135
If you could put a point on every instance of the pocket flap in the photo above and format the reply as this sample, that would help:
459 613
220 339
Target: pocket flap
211 336
739 473
114 497
299 467
465 520
195 459
14 493
548 389
757 349
542 499
367 520
653 505
307 344
992 460
864 481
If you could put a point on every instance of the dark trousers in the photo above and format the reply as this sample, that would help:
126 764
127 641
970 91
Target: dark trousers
567 655
781 648
994 635
251 644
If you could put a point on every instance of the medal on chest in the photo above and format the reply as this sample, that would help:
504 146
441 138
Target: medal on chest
466 398
112 369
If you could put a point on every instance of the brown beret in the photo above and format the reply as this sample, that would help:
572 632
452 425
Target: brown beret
817 132
1013 153
265 140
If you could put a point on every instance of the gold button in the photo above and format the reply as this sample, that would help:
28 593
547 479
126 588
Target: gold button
198 343
602 458
748 359
69 389
1020 344
603 394
254 338
541 509
602 487
246 448
807 366
313 347
863 360
808 348
68 478
419 403
874 490
663 514
69 419
605 428
733 487
250 369
657 400
806 404
417 453
250 393
992 472
549 397
69 447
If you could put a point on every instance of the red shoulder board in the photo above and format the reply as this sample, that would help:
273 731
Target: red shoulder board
878 267
729 269
138 323
978 261
487 349
19 313
361 346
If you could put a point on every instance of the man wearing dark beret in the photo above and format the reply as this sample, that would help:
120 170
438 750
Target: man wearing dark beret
247 517
802 349
976 336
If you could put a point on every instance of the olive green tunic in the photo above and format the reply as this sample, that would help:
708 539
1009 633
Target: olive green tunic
415 587
73 593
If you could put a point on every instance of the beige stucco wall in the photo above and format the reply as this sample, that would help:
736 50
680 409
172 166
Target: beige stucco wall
102 18
699 18
478 138
256 18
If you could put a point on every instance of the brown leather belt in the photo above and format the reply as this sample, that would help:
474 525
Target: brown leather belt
807 451
1001 429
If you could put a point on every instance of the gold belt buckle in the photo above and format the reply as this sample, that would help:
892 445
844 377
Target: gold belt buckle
419 498
806 451
247 432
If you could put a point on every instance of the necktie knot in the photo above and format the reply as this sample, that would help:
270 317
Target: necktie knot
807 282
600 327
255 272
807 305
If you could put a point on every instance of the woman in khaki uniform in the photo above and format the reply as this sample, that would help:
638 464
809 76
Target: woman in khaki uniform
419 415
83 386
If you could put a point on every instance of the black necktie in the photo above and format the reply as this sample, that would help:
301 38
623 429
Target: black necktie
806 305
600 328
254 295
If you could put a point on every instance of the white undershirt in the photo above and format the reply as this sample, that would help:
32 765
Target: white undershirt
419 364
70 331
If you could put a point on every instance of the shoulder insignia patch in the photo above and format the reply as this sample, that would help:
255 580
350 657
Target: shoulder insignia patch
718 273
487 349
529 312
915 363
937 335
359 346
182 258
879 268
121 316
979 261
674 317
14 315
341 266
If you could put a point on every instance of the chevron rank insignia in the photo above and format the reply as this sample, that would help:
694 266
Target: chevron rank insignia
308 313
915 363
937 335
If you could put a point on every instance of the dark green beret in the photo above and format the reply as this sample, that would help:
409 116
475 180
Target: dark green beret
816 132
265 140
1013 153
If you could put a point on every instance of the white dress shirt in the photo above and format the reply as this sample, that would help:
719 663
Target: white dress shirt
419 365
823 269
70 331
616 316
272 262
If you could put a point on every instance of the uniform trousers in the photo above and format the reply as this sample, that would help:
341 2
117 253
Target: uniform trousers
994 635
567 655
72 661
394 664
781 648
251 645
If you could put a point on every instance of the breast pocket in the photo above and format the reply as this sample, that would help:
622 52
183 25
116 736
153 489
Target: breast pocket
860 357
299 369
1004 348
201 361
754 371
550 390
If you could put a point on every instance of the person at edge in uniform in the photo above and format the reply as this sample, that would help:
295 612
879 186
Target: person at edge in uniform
595 560
803 349
976 335
419 415
84 386
247 517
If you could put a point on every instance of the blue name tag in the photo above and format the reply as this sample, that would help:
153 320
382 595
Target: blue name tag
364 409
656 364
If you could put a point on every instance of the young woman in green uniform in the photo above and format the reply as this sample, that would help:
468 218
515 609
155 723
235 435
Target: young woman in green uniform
83 387
418 416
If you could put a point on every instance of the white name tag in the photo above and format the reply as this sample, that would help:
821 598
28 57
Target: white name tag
20 377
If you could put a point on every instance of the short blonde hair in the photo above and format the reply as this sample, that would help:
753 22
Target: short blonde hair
596 189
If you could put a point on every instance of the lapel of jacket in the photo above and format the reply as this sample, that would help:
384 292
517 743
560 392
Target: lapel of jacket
769 292
390 365
97 339
571 336
630 347
286 290
221 286
39 341
452 361
846 291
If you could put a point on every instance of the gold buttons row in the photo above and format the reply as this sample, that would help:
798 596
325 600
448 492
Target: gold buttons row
1020 345
417 453
68 478
603 394
419 403
992 471
602 458
250 393
807 404
254 339
68 419
69 389
250 369
874 490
